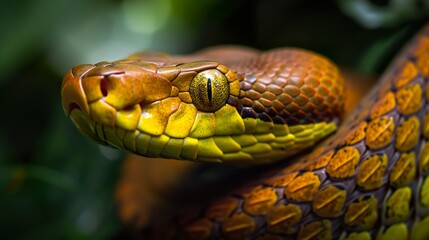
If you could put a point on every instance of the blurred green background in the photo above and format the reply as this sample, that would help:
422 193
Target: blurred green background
54 184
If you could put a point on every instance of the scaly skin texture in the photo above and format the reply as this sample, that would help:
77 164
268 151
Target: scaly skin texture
262 108
368 181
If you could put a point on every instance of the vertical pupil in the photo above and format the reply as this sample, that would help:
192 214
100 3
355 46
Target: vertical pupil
209 89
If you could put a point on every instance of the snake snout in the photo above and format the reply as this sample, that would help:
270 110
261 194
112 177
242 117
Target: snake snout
75 102
72 94
110 95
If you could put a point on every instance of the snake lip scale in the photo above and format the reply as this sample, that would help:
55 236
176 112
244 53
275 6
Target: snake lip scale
367 180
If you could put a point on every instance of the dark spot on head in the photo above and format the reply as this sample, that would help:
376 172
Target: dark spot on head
248 112
128 108
73 106
264 117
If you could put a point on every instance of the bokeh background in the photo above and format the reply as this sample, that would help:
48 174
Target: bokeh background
54 184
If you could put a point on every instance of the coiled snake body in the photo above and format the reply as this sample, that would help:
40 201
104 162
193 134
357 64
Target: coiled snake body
236 105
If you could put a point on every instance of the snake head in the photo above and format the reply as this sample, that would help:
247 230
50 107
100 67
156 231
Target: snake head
130 103
184 108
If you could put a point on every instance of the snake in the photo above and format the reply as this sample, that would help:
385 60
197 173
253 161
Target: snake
363 175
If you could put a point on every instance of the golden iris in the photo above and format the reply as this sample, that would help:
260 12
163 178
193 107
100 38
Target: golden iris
209 90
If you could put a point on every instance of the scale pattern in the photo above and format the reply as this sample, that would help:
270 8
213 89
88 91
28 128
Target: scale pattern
278 103
369 181
290 86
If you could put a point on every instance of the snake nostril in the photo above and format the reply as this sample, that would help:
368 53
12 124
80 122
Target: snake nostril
103 87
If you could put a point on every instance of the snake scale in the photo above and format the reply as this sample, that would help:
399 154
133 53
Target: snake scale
368 180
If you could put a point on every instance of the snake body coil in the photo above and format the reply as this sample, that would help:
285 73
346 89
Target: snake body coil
369 180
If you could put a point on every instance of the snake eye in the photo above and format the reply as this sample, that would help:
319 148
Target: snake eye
209 90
